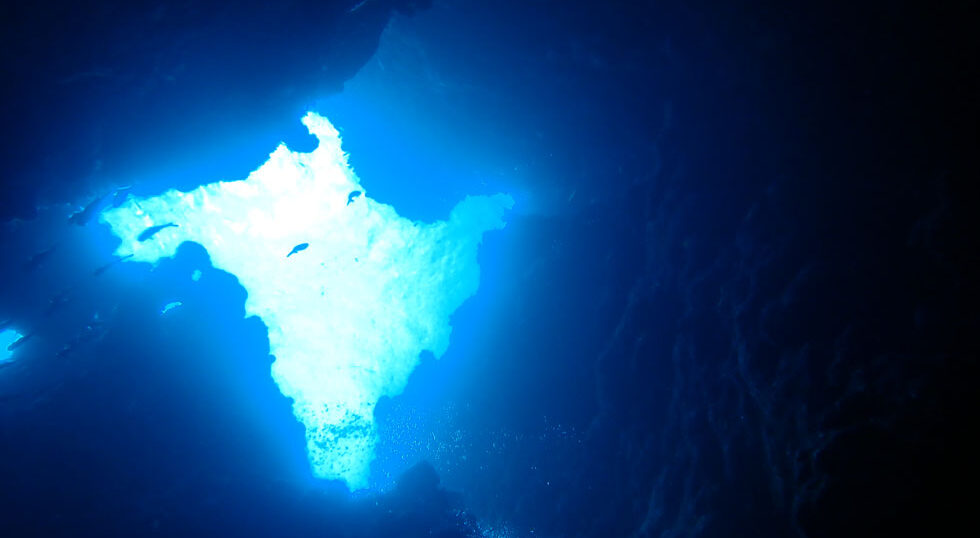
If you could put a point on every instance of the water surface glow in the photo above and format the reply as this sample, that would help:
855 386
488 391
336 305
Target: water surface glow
350 291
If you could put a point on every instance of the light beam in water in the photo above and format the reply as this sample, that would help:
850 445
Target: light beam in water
349 316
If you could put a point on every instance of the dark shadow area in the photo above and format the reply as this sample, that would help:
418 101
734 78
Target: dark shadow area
202 90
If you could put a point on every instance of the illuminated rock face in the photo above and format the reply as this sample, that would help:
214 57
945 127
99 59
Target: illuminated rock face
349 313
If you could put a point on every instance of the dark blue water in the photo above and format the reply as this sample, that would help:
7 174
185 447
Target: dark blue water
735 296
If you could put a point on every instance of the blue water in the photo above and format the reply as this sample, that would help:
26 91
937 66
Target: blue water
734 297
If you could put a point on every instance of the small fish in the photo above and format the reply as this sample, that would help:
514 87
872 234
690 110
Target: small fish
106 267
353 196
57 301
95 331
298 248
37 259
153 230
120 196
19 342
170 306
357 6
81 218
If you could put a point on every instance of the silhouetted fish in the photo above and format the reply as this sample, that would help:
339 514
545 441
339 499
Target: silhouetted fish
19 342
120 195
106 267
57 301
81 218
36 260
353 196
298 248
93 332
153 230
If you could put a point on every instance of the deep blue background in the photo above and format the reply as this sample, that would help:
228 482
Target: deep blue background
736 296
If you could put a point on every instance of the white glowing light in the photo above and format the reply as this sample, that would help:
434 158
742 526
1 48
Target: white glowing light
7 338
347 316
